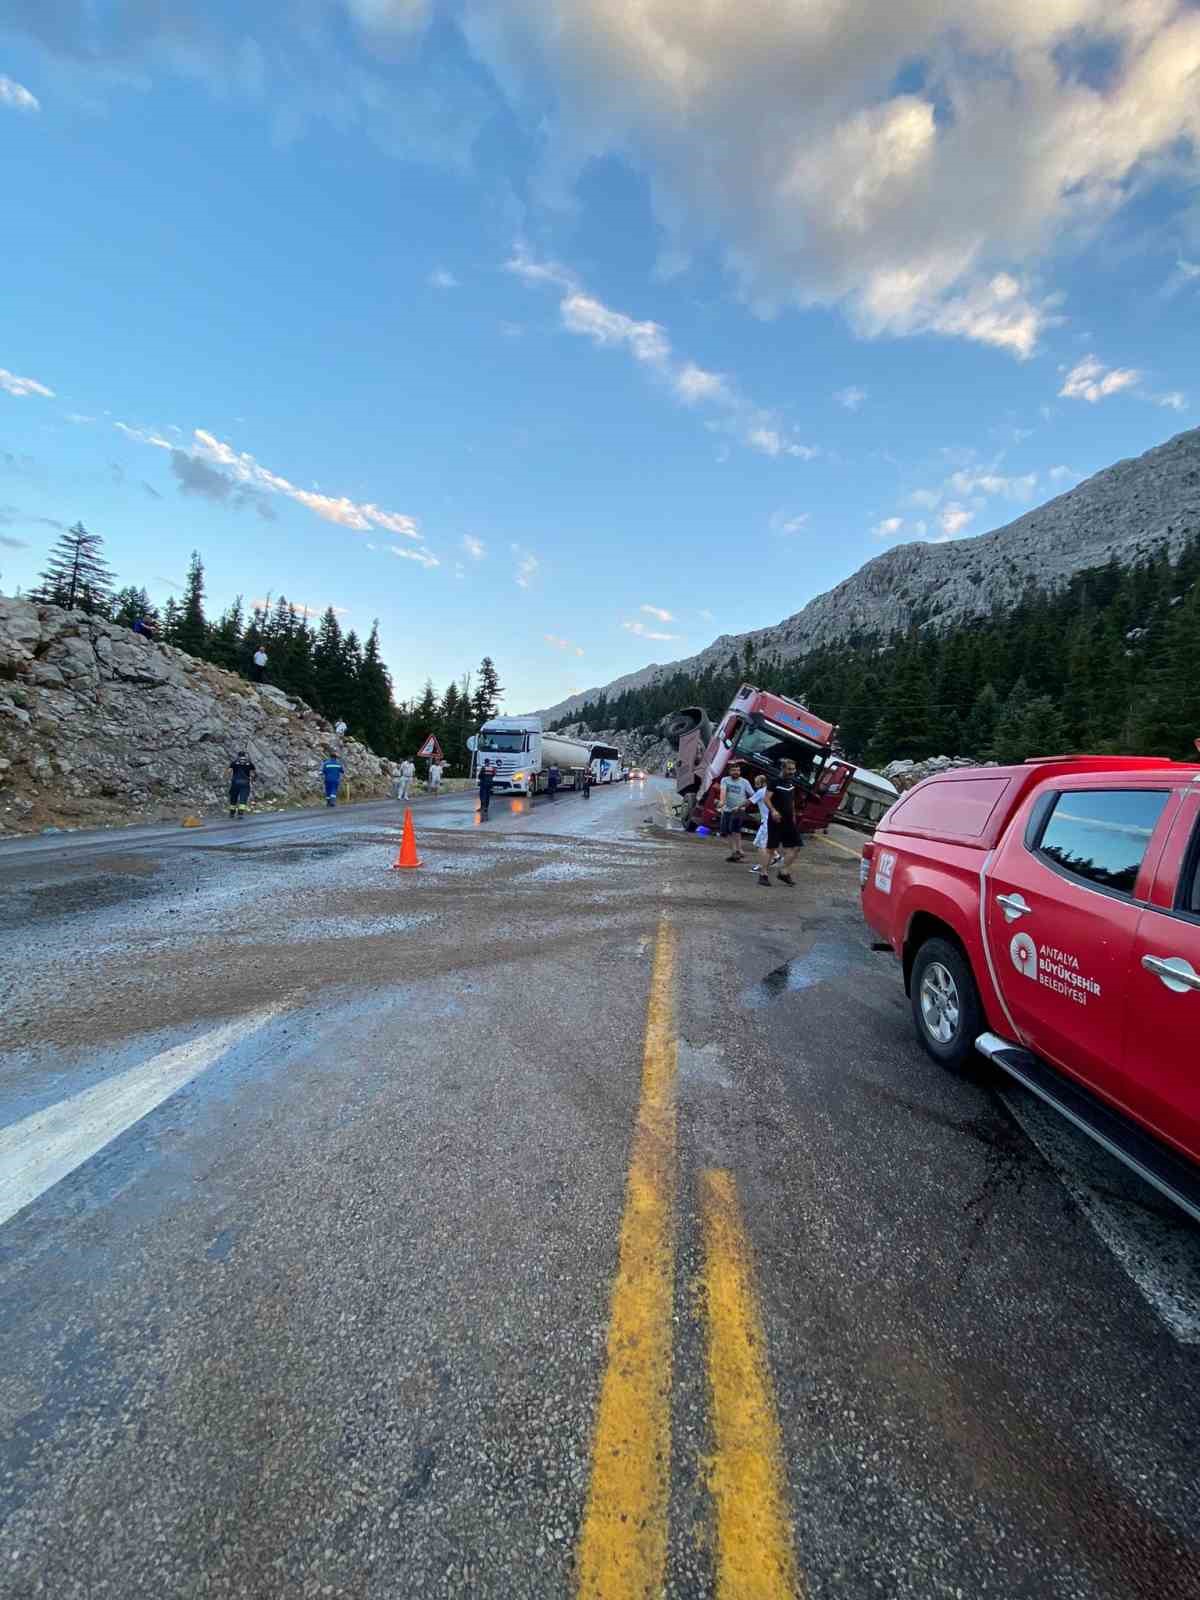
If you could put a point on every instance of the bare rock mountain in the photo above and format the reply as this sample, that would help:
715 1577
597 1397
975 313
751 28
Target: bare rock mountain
99 725
1123 512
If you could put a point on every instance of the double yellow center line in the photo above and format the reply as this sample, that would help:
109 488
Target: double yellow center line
623 1543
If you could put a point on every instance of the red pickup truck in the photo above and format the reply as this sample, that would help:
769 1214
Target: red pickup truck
1047 916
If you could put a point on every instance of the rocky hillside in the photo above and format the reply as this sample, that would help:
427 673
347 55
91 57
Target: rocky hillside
100 726
1123 512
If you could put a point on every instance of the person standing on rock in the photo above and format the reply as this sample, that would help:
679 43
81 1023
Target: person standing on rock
332 772
241 771
260 665
339 728
404 783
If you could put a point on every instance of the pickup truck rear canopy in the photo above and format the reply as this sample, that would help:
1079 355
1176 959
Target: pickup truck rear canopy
971 805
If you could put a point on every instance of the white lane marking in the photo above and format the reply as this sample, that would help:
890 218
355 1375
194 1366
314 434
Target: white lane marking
36 1152
1157 1248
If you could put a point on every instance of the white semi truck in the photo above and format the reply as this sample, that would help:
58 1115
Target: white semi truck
523 753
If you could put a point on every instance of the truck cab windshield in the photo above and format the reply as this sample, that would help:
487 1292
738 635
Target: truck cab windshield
499 740
766 748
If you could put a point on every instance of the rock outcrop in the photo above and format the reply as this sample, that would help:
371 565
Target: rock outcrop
906 774
1122 513
100 726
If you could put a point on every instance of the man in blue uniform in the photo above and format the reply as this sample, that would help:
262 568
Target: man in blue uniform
332 773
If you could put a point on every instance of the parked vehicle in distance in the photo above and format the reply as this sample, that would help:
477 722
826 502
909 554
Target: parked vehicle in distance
637 775
761 731
523 753
1047 916
606 763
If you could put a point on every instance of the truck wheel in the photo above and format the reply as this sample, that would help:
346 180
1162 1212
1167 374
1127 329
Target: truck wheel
945 1005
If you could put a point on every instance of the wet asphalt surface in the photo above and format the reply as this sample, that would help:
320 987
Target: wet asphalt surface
330 1319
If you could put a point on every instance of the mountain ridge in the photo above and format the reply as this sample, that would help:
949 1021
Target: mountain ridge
1140 503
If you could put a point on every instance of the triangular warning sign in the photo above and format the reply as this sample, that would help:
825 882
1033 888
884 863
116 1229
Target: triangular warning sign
431 748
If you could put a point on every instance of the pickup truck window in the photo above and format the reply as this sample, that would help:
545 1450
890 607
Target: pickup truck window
955 808
1101 835
1189 888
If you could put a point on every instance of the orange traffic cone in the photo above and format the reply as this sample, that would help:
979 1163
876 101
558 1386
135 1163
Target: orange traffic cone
407 854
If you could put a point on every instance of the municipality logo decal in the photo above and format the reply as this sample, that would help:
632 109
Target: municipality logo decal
1024 955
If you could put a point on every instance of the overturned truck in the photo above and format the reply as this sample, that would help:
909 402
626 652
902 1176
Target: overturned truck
760 731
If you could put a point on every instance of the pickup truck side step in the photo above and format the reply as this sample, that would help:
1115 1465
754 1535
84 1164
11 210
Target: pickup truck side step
1158 1165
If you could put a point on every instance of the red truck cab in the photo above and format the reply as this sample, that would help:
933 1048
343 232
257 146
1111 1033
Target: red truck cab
1047 916
759 730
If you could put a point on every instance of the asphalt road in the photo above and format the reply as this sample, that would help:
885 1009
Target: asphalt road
569 1216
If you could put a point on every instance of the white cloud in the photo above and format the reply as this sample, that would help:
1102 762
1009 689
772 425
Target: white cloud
771 442
851 398
1061 474
528 566
770 129
1185 275
993 483
787 525
441 279
22 387
692 384
78 416
643 632
925 499
408 552
1090 380
650 347
646 340
707 616
474 547
1176 400
658 613
954 519
241 468
888 528
921 528
16 96
562 644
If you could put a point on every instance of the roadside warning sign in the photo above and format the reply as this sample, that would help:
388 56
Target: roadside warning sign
431 748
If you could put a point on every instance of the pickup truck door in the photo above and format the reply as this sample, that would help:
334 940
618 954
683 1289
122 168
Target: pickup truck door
1060 913
1162 1039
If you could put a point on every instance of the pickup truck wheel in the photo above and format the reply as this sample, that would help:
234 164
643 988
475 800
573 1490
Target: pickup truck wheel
945 1005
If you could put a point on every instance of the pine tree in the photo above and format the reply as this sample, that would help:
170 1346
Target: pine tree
129 604
170 620
192 632
488 692
225 642
76 576
374 720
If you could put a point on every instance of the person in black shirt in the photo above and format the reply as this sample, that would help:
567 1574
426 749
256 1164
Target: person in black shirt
241 770
783 836
487 780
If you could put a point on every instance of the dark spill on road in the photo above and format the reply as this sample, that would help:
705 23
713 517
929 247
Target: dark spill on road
827 960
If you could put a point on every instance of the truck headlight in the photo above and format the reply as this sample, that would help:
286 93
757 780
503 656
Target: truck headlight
518 777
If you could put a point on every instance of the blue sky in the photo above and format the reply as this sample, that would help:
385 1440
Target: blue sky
579 334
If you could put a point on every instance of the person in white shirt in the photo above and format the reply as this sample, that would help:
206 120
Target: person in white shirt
759 798
260 664
435 776
407 773
339 727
